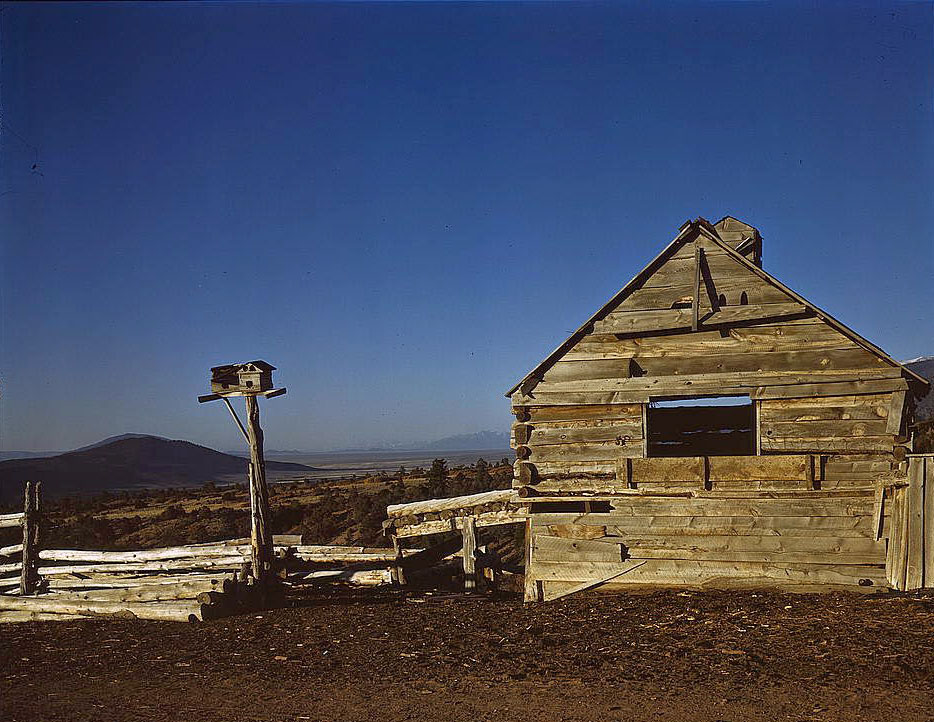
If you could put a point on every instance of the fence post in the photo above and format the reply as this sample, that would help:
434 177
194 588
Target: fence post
29 577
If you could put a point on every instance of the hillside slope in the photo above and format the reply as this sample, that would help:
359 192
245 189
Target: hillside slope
138 461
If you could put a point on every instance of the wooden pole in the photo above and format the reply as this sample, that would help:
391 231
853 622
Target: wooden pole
398 573
695 302
29 579
469 537
261 535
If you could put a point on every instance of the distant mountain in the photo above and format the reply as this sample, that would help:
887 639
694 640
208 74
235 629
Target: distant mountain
924 366
4 455
135 461
467 442
121 437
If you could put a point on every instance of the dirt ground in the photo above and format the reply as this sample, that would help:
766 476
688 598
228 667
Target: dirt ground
379 656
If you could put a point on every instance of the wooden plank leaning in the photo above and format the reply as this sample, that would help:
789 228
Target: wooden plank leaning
549 597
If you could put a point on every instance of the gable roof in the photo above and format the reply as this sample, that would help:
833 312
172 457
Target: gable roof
704 227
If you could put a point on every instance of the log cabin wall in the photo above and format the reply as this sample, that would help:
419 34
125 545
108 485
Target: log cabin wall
701 321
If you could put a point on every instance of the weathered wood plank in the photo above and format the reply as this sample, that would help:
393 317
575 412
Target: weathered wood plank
602 412
914 559
896 408
597 451
809 361
441 526
687 468
709 573
837 526
808 334
747 379
624 322
582 370
928 531
759 468
550 594
552 548
825 429
827 444
606 433
804 411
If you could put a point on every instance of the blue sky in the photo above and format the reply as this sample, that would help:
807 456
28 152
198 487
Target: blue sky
406 206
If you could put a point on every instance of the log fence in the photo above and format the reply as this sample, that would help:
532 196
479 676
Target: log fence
191 582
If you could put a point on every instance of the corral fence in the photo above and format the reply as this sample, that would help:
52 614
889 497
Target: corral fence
183 583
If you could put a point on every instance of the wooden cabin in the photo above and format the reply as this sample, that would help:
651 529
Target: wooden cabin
249 377
710 427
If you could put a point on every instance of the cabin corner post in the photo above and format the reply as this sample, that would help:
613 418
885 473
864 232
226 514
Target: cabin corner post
260 533
29 576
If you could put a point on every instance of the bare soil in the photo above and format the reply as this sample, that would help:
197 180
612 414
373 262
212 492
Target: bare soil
684 656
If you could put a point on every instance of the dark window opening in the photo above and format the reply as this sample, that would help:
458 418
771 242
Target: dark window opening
743 299
710 426
685 302
721 301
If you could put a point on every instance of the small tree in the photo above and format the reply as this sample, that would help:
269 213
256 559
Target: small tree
438 477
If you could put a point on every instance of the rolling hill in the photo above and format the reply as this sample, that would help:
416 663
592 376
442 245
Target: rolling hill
134 461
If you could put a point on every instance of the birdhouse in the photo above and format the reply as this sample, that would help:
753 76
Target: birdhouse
245 378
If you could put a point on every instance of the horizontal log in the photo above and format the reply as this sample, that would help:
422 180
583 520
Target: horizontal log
585 434
680 319
596 451
806 526
648 298
11 520
828 444
117 581
649 506
231 562
26 616
441 526
709 387
760 468
805 428
11 550
168 553
686 468
343 554
607 412
367 577
450 503
143 593
770 549
809 334
167 611
808 413
665 572
546 469
732 379
578 370
13 567
799 361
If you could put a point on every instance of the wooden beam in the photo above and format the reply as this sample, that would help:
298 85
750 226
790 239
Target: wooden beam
469 548
29 579
896 407
695 300
261 533
236 419
629 322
